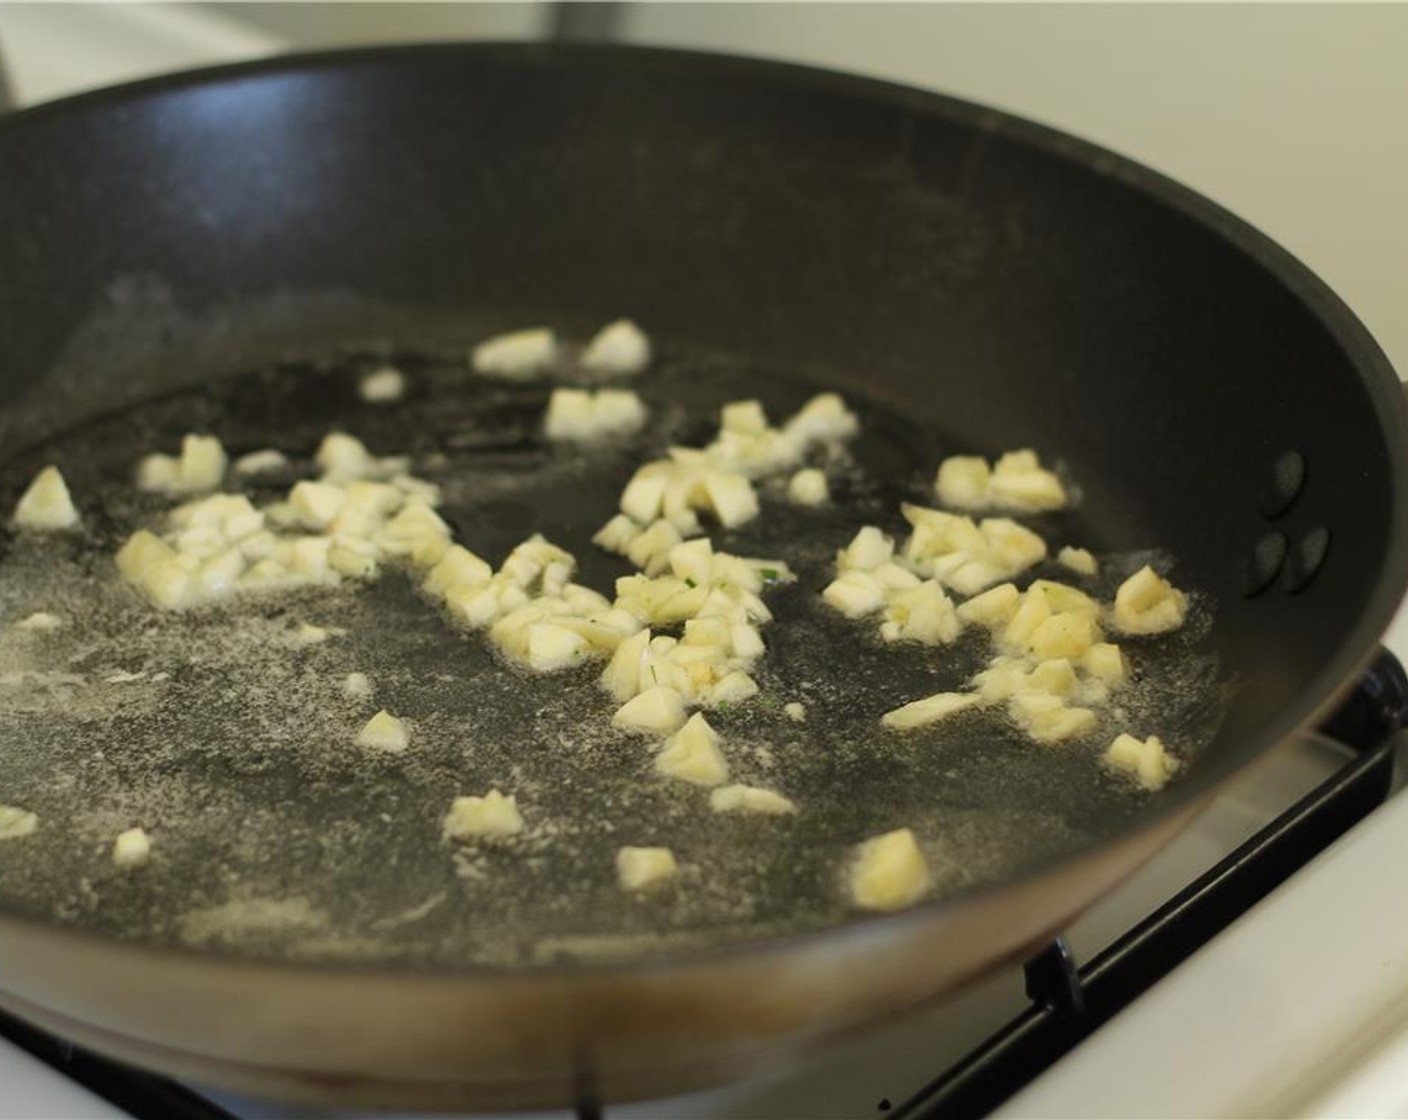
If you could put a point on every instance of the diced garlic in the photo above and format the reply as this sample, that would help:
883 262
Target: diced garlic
132 849
692 754
656 711
640 869
357 686
643 495
418 534
1020 482
651 548
743 417
150 564
617 534
40 620
516 355
355 559
344 458
795 710
1068 634
962 482
1015 546
46 506
552 647
620 349
316 503
16 822
265 461
750 799
458 567
889 872
920 614
855 594
307 634
868 550
1032 612
824 419
931 709
622 675
1047 719
382 386
1105 661
994 608
1062 598
808 488
1146 603
491 817
731 498
584 415
384 732
732 688
1147 760
203 463
1079 560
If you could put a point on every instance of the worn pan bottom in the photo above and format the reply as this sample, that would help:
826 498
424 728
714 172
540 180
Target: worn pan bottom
531 1038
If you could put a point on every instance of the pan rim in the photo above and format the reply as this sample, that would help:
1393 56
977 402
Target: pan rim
1372 366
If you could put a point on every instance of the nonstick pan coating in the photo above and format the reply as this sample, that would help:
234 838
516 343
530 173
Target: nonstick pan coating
979 282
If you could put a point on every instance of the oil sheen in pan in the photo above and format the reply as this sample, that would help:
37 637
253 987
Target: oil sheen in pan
274 835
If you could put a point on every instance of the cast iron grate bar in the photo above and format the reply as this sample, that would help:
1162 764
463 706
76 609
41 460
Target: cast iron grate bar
1070 1003
143 1095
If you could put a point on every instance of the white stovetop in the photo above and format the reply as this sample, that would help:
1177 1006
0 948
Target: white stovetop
1252 1024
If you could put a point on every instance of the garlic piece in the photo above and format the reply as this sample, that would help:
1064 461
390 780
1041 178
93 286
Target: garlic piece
1078 560
962 482
357 686
457 568
382 386
132 849
808 488
931 709
692 754
656 711
16 822
795 711
750 799
492 816
46 506
1146 603
384 732
640 869
516 355
585 415
200 467
266 461
823 419
40 620
1147 760
889 872
619 349
1105 661
855 594
993 608
1047 719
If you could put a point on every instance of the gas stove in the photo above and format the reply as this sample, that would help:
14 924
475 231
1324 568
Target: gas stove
1188 991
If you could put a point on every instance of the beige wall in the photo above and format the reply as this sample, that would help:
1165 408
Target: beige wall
1295 117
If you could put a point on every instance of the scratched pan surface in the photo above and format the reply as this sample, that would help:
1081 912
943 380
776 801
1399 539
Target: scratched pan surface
229 251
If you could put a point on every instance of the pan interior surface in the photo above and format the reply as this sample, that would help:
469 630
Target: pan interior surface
968 281
275 836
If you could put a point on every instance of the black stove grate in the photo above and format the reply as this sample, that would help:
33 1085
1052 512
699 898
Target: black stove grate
1069 1002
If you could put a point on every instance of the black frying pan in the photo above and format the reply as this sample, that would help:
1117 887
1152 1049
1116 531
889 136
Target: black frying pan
971 281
